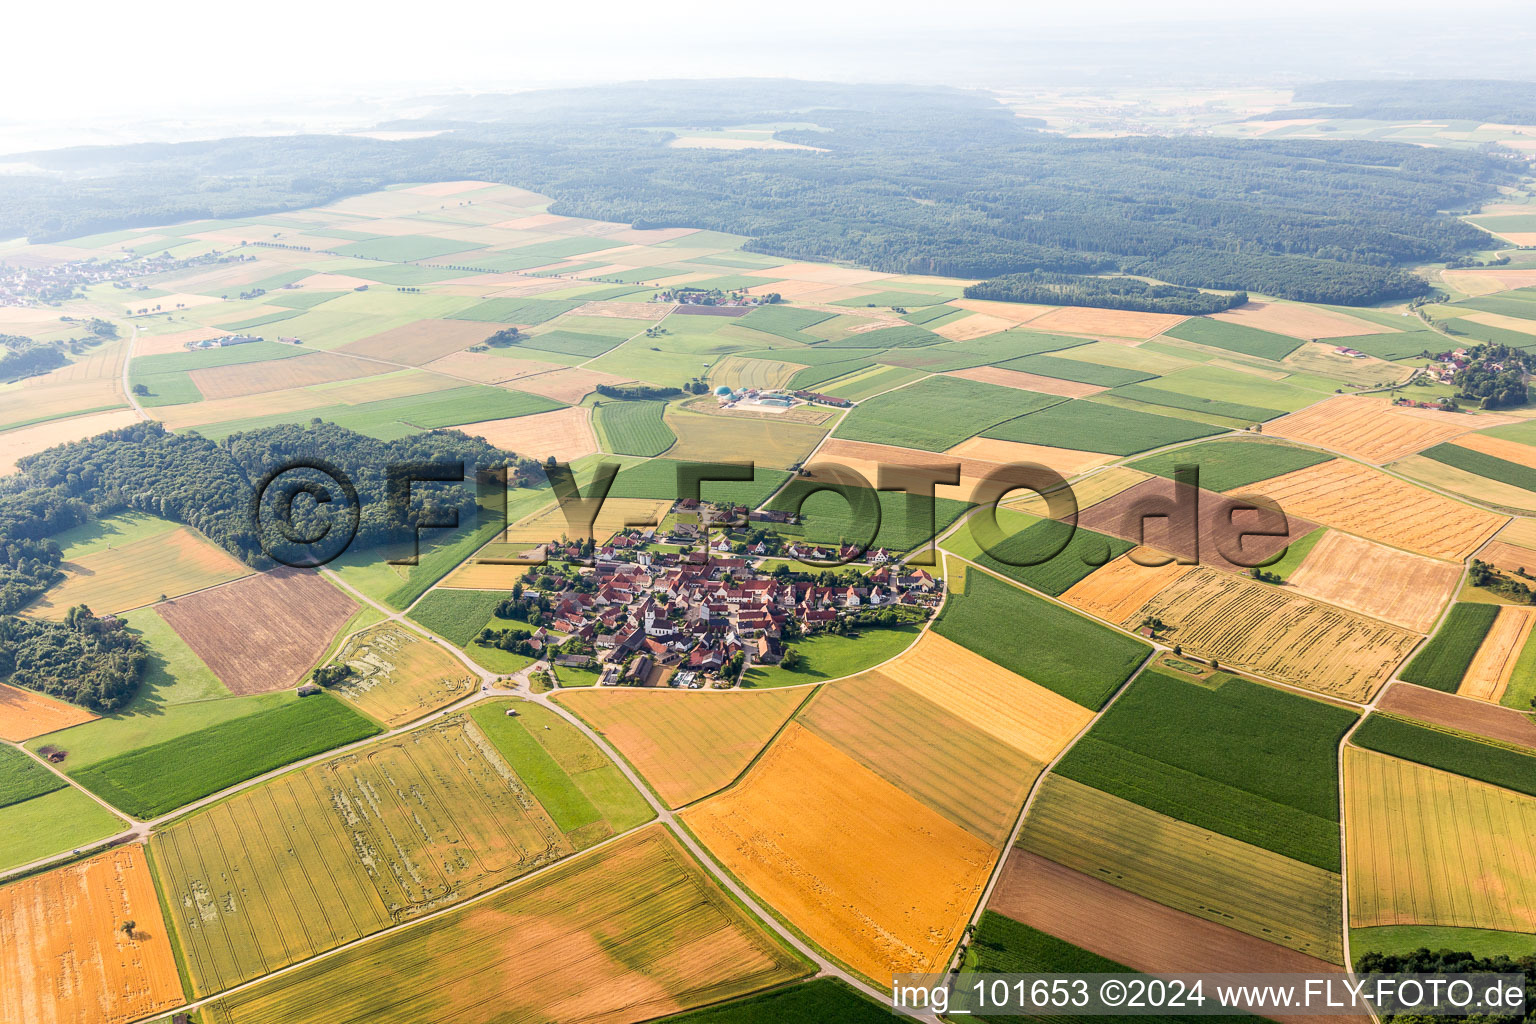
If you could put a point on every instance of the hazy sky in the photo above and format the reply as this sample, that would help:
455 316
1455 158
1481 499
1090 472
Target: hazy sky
71 64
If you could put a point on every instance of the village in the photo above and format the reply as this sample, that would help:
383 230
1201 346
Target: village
697 602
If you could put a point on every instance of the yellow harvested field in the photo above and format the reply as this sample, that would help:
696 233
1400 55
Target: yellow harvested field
1373 579
926 750
1014 312
1488 675
1117 591
626 310
27 401
1520 532
488 369
64 952
421 342
446 188
487 574
1186 867
1265 629
1324 359
197 414
1028 381
1300 321
1367 502
687 745
767 440
564 434
24 441
616 513
819 273
170 344
1500 448
24 714
138 573
1488 281
1066 461
1432 848
977 325
1117 323
1007 706
217 382
1369 428
869 873
631 932
569 385
866 458
1437 474
1509 557
398 675
1508 323
1089 491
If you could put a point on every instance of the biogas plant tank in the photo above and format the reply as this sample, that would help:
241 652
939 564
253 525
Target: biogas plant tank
723 391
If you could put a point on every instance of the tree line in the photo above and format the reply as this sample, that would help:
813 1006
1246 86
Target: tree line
1105 293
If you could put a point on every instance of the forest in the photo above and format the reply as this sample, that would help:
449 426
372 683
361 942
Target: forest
90 661
1104 292
211 486
1450 99
899 179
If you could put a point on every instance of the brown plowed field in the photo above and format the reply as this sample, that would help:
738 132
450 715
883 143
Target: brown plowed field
64 956
1368 428
422 341
1197 527
1488 675
1373 579
1453 712
277 374
1028 381
1362 500
1133 930
264 632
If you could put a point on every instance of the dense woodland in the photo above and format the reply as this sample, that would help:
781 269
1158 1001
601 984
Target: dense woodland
90 661
1104 292
904 180
1446 961
1450 99
210 486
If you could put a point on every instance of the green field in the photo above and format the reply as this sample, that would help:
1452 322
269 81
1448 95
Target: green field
1042 641
517 311
571 343
1441 663
1235 338
1405 938
22 777
405 248
934 314
1094 427
1226 465
45 825
937 413
632 428
1448 751
829 656
232 355
575 782
1521 692
1480 464
1240 758
657 478
1401 345
154 780
1077 552
393 418
819 1001
989 350
910 336
846 515
822 371
456 615
784 321
1194 403
859 386
1076 369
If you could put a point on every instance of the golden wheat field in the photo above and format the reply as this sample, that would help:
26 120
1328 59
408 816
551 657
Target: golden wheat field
398 675
812 831
24 714
1369 428
1118 590
1385 583
140 572
66 955
1367 502
1428 847
1489 674
686 745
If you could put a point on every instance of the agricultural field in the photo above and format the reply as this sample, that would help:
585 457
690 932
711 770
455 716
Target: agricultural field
1385 583
1372 430
1242 759
1478 719
67 953
52 824
629 932
1188 868
1085 425
1489 674
796 832
1235 337
686 745
25 714
937 413
140 572
1363 501
833 656
397 675
1230 465
564 434
1047 644
1493 762
456 615
264 632
402 827
632 428
1444 661
772 440
1427 847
